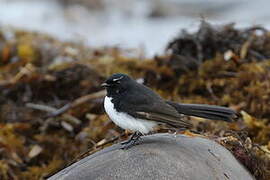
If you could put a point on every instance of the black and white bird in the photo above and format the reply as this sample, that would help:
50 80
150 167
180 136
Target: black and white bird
135 107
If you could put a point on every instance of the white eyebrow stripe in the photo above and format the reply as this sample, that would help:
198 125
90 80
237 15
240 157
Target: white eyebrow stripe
116 79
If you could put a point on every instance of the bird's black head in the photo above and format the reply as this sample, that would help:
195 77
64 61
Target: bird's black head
117 84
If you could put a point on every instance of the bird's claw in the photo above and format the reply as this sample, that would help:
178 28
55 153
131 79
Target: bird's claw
128 144
132 141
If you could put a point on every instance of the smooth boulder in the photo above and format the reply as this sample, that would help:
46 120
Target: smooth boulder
159 156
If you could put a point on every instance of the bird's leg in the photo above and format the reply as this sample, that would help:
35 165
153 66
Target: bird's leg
132 140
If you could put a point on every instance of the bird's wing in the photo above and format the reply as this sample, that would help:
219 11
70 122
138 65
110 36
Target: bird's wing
162 118
152 108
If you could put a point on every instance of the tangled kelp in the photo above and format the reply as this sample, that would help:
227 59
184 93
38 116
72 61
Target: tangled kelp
191 50
39 75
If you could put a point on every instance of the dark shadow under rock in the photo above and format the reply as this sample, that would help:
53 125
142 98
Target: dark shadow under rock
159 156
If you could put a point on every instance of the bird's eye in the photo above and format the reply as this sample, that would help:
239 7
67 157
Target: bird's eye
115 82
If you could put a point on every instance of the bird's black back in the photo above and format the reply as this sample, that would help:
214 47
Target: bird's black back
140 101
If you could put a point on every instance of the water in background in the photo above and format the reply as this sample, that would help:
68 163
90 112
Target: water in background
145 24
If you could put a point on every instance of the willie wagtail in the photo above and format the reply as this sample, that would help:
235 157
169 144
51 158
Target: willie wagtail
136 107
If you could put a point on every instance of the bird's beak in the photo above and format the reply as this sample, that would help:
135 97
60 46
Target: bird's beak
104 85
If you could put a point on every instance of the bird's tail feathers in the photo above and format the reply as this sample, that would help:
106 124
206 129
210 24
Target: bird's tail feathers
205 111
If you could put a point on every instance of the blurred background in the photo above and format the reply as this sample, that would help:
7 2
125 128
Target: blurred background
144 24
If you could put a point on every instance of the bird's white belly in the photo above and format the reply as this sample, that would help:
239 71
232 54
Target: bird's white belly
126 121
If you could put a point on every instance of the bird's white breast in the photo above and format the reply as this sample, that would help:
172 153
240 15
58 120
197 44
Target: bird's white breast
126 121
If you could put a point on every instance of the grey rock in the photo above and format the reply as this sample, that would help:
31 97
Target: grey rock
159 156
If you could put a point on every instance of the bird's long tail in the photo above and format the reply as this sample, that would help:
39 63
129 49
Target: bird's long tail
205 111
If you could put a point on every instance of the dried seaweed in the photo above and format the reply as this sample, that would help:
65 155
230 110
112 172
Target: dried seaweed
190 50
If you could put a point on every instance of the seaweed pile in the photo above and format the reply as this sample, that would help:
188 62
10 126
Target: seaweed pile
51 101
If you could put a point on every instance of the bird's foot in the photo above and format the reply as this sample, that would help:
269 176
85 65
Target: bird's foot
129 144
132 141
